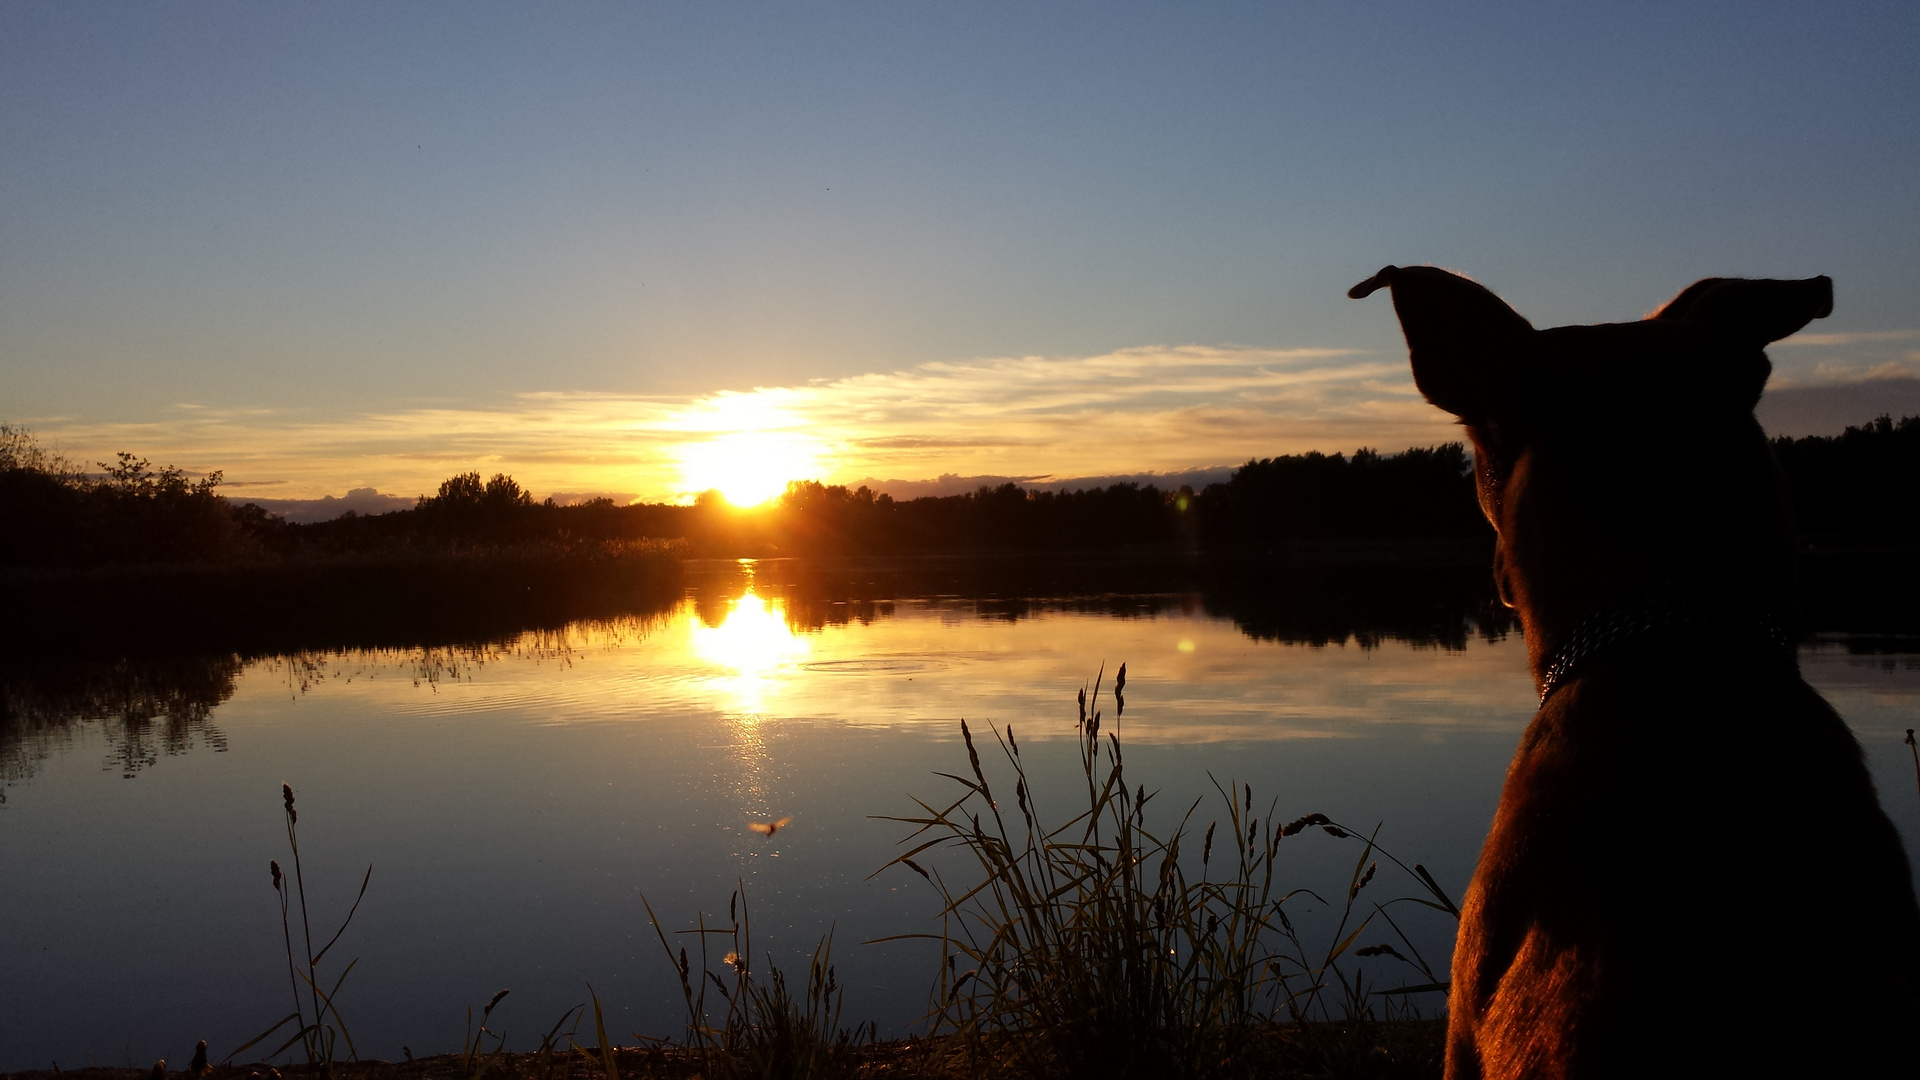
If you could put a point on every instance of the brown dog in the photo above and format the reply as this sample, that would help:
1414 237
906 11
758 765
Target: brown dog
1688 873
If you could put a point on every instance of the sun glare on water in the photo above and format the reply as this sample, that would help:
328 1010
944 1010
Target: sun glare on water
752 644
748 467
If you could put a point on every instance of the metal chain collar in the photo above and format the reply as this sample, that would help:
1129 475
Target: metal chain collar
1616 625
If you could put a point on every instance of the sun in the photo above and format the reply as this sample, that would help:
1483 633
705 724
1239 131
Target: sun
748 467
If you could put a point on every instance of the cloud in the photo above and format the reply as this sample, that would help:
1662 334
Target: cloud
1805 361
1148 410
1861 337
326 508
1827 410
955 484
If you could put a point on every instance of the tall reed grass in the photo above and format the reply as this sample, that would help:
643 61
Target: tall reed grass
1100 946
319 1028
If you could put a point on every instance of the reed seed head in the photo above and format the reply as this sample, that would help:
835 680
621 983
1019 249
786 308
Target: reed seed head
274 865
1298 824
1336 832
1364 878
961 981
1379 950
1206 849
286 793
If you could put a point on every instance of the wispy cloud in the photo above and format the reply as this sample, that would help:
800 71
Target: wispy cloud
1840 359
1152 409
1862 337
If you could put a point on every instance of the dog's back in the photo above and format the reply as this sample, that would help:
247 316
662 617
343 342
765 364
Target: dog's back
1689 872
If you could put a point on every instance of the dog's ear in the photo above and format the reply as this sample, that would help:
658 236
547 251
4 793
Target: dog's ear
1751 311
1742 315
1465 342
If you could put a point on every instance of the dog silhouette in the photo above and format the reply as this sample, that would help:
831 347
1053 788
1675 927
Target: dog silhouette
1688 873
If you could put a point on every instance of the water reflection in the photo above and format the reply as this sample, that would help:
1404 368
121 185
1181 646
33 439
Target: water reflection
875 644
1446 604
146 709
751 641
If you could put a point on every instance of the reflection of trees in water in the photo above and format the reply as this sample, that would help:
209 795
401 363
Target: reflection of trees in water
1443 607
162 706
148 709
430 666
1367 601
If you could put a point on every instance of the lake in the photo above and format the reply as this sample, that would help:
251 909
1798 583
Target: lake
517 797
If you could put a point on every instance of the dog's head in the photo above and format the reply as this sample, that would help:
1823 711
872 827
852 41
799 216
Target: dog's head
1620 449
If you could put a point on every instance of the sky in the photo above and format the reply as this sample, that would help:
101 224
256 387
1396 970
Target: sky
650 248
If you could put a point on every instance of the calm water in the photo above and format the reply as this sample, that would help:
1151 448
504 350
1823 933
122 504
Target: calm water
515 800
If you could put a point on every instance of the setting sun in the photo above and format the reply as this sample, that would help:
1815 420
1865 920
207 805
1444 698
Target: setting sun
748 467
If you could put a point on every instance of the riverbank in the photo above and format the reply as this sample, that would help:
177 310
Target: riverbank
399 598
1374 1050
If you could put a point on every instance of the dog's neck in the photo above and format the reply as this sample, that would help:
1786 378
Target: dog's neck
1656 620
1702 538
1567 623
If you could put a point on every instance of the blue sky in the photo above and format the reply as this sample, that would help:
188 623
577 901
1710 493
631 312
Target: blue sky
292 241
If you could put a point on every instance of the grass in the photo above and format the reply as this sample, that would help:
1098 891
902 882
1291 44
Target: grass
1097 946
762 1029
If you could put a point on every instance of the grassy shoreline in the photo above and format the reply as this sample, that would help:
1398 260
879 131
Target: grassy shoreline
1382 1049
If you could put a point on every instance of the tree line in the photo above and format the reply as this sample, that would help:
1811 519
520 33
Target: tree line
1846 487
1856 488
